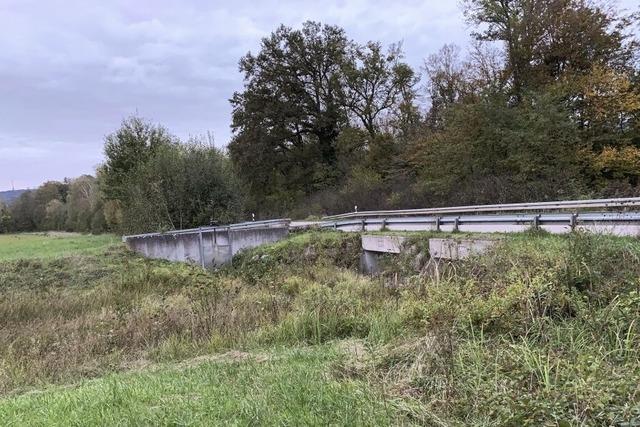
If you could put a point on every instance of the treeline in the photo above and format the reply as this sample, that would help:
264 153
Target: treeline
150 181
546 105
74 205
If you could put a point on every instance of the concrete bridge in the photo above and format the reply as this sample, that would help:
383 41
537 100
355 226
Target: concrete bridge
215 246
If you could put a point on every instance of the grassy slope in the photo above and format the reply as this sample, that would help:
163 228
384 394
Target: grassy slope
40 245
543 330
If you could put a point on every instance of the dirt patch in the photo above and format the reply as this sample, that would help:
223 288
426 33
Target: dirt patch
232 356
397 365
136 365
358 357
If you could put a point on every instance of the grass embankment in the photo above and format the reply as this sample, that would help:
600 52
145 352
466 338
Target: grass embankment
543 330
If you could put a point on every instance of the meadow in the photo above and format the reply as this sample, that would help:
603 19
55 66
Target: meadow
52 244
541 331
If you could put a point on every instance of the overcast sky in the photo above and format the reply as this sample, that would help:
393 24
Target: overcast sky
71 70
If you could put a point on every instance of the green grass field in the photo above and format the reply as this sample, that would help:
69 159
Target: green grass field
46 245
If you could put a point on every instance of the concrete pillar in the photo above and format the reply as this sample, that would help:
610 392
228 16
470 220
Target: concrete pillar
369 262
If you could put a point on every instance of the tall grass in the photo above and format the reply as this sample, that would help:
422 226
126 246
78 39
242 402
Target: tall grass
540 331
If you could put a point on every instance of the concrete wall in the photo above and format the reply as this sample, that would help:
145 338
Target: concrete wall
209 247
455 249
369 263
380 243
170 247
250 238
373 246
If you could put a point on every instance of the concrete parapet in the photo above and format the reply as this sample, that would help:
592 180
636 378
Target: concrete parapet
207 246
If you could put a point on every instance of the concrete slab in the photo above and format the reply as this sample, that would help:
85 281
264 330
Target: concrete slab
383 244
455 249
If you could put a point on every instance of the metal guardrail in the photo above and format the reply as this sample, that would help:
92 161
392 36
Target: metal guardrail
435 218
620 203
240 226
628 223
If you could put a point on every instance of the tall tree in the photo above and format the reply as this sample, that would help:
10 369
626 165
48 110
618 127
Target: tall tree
448 83
376 82
544 39
302 89
293 88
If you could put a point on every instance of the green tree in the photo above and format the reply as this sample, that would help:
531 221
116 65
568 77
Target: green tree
293 88
491 152
6 221
448 83
302 90
42 196
55 216
195 183
375 82
179 186
126 149
84 203
22 211
289 114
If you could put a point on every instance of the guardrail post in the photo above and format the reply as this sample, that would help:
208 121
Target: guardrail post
573 219
364 224
201 247
456 224
536 222
384 224
437 223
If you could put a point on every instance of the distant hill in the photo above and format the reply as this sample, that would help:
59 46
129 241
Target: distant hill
10 196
